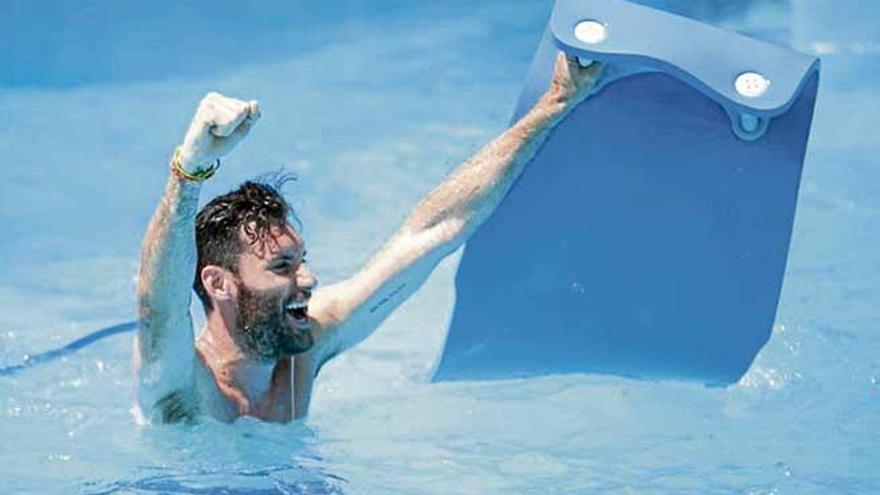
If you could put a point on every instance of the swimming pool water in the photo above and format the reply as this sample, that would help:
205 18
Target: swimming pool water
371 104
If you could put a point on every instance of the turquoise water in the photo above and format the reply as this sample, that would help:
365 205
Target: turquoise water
371 105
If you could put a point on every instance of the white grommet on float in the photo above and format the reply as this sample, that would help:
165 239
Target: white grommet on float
751 84
590 31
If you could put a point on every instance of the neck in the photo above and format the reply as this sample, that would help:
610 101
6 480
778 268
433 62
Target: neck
233 366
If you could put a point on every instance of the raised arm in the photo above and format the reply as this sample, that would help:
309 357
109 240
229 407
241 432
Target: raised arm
164 352
445 218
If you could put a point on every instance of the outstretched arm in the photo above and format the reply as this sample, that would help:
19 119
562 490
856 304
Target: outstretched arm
164 352
445 218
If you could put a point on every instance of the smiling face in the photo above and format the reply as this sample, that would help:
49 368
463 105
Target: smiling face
274 286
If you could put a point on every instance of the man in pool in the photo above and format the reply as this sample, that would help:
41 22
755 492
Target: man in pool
268 329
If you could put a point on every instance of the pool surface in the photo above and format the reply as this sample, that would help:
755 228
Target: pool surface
371 105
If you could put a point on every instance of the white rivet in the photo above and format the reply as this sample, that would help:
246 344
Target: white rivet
590 31
751 84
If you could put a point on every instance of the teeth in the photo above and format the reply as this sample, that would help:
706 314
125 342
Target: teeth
296 305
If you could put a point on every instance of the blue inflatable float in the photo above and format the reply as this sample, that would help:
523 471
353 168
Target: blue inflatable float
649 236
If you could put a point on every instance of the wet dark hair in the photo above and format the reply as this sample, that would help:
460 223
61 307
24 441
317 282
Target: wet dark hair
252 209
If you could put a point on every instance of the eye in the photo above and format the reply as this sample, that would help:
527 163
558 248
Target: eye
282 266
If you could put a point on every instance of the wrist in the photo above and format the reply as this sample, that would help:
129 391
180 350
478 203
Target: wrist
557 102
189 160
192 170
552 108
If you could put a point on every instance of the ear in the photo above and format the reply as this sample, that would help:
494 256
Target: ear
219 283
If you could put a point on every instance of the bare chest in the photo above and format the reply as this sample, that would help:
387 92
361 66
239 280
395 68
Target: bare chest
286 396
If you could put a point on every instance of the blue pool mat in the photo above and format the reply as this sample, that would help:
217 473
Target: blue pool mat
648 238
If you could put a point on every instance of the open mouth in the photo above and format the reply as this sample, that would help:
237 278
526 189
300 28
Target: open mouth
299 313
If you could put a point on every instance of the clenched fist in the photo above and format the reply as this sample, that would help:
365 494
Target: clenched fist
219 124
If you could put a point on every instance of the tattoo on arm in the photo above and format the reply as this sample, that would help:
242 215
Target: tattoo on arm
387 298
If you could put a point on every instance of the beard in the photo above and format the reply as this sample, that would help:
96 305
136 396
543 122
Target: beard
264 329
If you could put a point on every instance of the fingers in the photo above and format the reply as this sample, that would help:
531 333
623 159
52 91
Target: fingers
561 64
566 69
219 124
579 71
571 61
249 121
228 114
254 108
581 68
592 72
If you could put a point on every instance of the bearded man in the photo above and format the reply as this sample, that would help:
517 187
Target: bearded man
268 329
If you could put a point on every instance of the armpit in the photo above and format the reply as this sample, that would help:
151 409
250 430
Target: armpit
178 406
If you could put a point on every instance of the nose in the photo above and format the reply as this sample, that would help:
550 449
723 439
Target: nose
305 279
